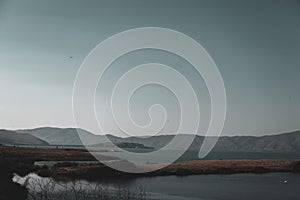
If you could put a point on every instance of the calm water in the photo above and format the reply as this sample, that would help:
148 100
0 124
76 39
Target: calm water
193 155
220 187
187 156
216 187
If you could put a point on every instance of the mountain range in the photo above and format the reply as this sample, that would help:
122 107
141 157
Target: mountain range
14 138
283 143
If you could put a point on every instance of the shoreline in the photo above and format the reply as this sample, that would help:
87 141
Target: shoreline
21 160
26 157
96 172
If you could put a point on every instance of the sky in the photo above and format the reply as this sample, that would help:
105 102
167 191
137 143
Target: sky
255 44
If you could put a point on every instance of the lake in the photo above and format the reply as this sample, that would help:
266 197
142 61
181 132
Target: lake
213 155
187 156
211 187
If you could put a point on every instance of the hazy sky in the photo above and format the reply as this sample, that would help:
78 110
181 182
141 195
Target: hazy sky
256 45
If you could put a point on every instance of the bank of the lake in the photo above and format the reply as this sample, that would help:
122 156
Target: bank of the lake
275 186
21 160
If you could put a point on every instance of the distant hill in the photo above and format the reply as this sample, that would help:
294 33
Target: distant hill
13 138
286 142
64 136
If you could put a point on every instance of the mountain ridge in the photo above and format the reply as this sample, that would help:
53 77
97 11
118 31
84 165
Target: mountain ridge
8 137
283 142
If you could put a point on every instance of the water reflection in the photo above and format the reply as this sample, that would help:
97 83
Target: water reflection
47 188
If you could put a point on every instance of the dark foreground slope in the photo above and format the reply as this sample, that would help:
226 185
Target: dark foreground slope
21 160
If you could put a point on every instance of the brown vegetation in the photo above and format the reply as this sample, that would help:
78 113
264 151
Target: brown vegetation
52 190
230 167
20 160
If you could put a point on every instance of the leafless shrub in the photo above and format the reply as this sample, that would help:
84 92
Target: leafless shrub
48 189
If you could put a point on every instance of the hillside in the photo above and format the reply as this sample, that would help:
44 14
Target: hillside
286 142
13 138
283 143
67 136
